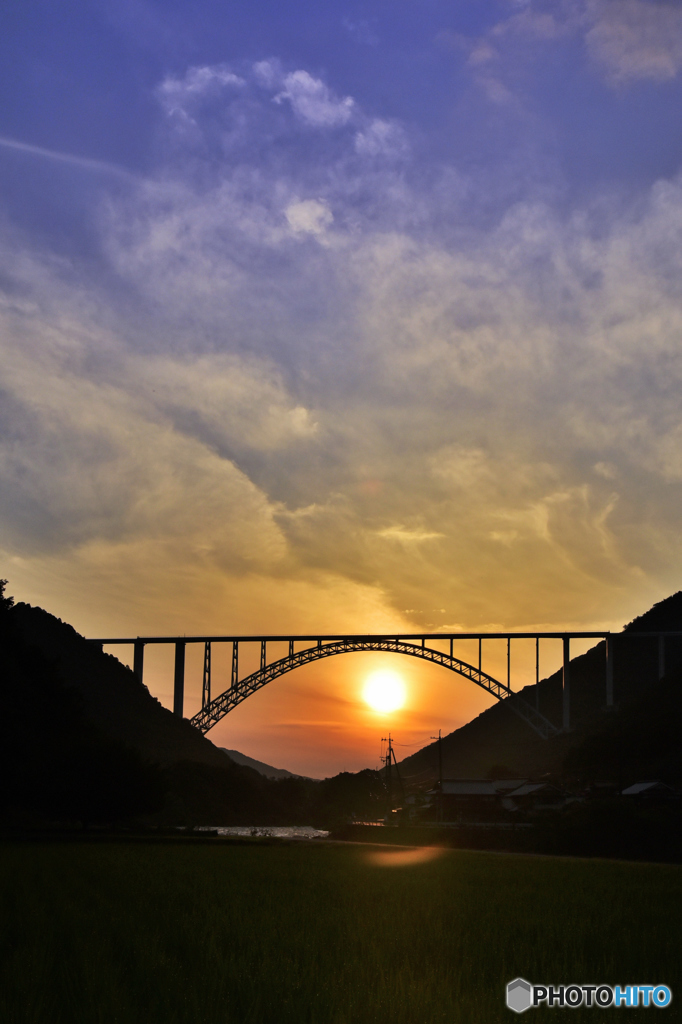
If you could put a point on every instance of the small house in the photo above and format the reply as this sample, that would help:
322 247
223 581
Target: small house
534 796
653 791
471 799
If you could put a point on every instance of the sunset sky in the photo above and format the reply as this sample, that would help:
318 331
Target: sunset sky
340 316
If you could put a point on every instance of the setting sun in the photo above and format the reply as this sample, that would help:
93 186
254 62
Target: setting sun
384 690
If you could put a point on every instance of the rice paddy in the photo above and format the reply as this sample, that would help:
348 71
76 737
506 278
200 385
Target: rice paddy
184 933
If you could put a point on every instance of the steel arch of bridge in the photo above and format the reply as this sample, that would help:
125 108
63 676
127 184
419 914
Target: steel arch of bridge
216 709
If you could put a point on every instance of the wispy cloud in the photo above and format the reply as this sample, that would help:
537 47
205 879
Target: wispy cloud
635 39
198 83
406 535
87 164
309 217
627 40
313 101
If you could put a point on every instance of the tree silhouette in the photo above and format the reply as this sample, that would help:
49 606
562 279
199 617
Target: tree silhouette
5 602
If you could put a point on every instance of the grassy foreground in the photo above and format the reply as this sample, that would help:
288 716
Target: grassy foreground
319 934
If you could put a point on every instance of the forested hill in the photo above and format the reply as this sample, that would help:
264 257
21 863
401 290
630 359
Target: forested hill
498 741
82 740
112 698
665 615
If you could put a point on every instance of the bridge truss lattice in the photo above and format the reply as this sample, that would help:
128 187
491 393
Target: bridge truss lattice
239 690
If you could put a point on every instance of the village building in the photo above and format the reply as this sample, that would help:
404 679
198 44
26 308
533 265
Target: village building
534 796
655 791
493 800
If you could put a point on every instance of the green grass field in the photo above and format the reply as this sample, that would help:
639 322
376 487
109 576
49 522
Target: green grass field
144 933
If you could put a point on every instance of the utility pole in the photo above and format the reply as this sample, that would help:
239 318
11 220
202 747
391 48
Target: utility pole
389 787
389 760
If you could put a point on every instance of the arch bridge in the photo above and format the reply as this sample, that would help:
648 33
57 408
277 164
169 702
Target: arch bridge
303 650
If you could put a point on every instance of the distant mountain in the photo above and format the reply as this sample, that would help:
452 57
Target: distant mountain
263 769
498 741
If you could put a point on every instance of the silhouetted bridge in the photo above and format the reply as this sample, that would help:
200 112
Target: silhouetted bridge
303 650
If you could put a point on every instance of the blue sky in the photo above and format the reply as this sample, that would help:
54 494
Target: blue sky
588 91
341 316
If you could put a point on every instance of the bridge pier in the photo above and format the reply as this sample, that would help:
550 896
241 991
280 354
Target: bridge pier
609 671
138 659
234 672
661 656
509 663
206 682
179 679
566 685
537 673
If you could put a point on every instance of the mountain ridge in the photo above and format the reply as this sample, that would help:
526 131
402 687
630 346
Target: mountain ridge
262 768
498 739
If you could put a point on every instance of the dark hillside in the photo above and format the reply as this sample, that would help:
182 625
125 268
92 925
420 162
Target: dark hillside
112 697
82 740
497 737
664 615
642 741
55 765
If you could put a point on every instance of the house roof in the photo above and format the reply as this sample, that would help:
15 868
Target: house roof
533 787
468 787
506 785
645 787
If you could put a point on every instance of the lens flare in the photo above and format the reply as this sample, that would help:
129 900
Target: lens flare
404 858
384 690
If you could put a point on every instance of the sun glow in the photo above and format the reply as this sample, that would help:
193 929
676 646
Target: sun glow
384 690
